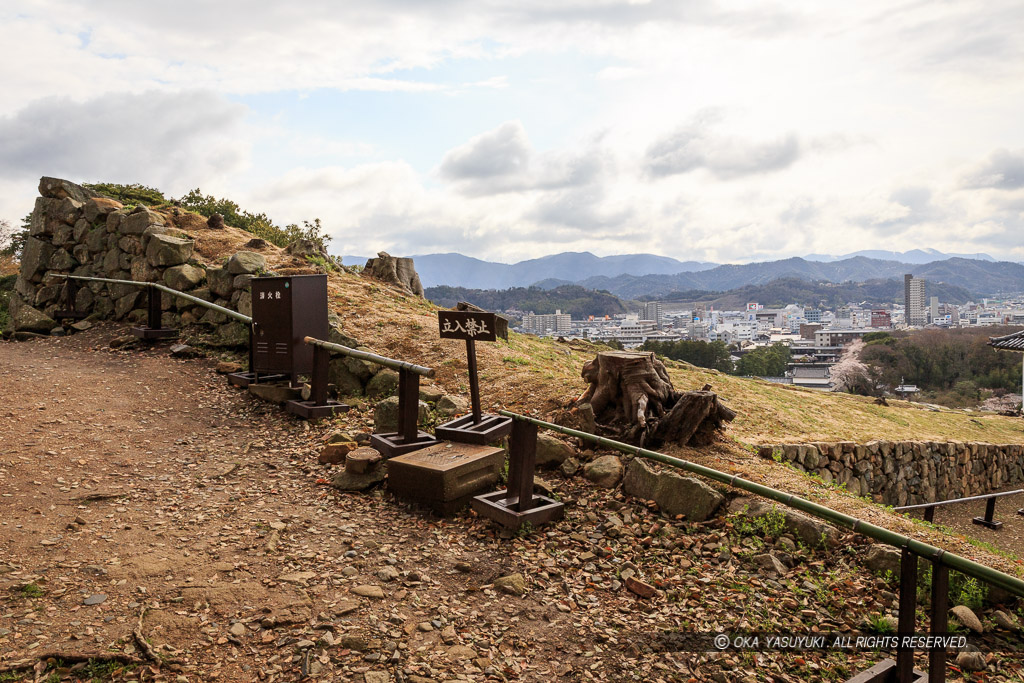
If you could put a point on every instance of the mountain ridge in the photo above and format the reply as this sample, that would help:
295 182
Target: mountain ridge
623 273
980 277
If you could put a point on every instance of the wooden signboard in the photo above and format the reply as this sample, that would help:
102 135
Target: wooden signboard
468 325
473 326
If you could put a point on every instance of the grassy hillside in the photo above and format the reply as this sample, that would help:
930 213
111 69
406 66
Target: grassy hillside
533 374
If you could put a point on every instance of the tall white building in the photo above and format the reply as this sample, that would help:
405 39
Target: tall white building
914 295
652 311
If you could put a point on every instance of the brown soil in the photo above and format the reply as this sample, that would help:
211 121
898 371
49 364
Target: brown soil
148 480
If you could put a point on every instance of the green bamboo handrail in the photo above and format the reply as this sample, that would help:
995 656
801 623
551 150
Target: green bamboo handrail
241 317
372 357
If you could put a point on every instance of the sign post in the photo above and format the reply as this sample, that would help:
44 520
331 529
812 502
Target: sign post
473 326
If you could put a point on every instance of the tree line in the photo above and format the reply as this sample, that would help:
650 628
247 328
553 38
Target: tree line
954 366
764 361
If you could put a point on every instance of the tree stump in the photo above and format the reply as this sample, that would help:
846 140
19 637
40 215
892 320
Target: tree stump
633 400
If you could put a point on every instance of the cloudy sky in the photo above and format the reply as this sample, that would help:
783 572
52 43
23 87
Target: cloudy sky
505 130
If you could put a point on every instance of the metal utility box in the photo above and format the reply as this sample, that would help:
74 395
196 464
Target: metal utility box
284 311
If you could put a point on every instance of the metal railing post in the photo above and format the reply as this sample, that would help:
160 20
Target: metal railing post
908 613
154 313
939 620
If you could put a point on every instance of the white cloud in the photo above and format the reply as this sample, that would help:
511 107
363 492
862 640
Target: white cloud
1003 170
838 127
503 160
696 145
167 140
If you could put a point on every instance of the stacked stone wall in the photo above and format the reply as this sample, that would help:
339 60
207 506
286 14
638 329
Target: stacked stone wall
909 472
74 231
77 232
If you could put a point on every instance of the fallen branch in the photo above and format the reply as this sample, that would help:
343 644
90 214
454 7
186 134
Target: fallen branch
88 497
143 644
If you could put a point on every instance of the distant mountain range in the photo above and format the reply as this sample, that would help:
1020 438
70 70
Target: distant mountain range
914 256
580 302
979 277
456 270
639 275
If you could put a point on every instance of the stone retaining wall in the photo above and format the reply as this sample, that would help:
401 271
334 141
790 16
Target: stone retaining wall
908 472
75 231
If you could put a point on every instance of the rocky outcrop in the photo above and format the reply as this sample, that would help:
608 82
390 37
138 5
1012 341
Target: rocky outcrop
396 271
908 472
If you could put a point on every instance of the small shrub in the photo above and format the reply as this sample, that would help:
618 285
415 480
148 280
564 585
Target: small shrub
877 623
31 590
129 195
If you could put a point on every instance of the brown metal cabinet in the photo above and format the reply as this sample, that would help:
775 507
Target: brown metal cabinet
284 311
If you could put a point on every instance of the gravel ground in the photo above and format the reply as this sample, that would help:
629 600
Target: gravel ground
159 525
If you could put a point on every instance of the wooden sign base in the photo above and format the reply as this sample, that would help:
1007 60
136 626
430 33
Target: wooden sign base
517 504
489 429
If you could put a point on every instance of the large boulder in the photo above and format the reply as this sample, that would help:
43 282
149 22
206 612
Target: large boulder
450 406
35 258
112 262
164 250
339 374
397 271
56 188
68 211
96 240
79 232
244 303
138 221
141 270
99 207
674 494
62 260
605 471
385 415
184 277
233 333
246 263
303 248
551 451
881 559
127 303
363 369
220 281
28 319
809 531
384 383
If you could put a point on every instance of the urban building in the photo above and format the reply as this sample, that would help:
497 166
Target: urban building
652 310
811 375
836 337
880 319
914 300
555 323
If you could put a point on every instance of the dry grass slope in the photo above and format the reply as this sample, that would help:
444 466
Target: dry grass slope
527 373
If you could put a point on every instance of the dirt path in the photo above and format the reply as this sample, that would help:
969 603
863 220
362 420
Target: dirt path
135 484
142 482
